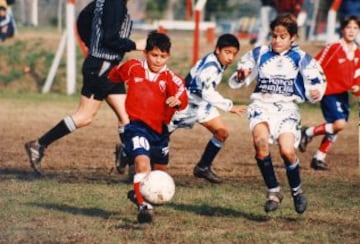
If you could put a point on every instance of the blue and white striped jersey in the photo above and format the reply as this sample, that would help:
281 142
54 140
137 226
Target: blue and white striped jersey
284 77
203 80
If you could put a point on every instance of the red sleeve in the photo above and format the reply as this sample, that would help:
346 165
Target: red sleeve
121 73
114 75
357 68
176 88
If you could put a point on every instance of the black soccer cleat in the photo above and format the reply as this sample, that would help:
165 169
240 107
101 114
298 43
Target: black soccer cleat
273 200
145 214
121 160
319 164
304 140
35 152
300 201
207 174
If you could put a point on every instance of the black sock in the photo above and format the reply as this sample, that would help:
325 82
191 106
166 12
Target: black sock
63 128
267 171
293 174
211 150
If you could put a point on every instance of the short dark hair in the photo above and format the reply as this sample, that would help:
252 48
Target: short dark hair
227 40
159 40
347 20
288 21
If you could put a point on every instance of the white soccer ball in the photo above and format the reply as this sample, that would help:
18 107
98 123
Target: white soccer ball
158 187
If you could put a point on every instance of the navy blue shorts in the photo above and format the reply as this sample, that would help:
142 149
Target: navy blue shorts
335 107
95 79
140 139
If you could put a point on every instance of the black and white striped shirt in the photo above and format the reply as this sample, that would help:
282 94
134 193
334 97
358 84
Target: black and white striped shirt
111 28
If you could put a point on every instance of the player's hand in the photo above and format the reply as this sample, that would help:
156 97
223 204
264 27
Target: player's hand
140 45
173 102
315 95
238 109
243 74
355 89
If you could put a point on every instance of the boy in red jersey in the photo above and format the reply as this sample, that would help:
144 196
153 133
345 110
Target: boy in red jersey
341 64
154 94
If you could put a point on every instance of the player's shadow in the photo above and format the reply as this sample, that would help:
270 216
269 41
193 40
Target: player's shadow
69 176
91 212
211 211
120 222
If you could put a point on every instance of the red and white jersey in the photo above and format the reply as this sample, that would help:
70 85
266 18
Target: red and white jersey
341 66
147 92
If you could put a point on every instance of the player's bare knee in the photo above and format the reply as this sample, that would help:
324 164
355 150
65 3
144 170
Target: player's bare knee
288 154
339 125
261 146
221 134
82 121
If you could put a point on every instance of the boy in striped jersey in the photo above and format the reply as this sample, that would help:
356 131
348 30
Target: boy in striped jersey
204 99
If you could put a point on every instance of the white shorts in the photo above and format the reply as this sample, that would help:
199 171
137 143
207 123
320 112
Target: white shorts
193 113
280 117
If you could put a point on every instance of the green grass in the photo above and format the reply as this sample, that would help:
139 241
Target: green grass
53 210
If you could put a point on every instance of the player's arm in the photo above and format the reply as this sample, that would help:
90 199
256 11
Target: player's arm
209 93
178 98
245 71
314 79
238 109
355 89
120 73
112 22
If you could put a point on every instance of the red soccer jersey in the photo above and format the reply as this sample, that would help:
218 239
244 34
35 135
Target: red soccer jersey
341 70
146 96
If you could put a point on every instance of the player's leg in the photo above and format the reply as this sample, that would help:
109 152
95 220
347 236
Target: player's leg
117 104
260 134
142 168
318 160
136 137
95 88
336 111
220 133
287 151
160 151
334 107
87 110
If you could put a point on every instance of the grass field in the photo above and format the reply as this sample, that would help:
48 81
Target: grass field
81 199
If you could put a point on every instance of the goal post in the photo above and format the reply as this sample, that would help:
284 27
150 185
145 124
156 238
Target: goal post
70 48
199 7
68 40
331 21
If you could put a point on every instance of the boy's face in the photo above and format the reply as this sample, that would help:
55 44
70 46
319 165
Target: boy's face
156 59
2 12
281 39
226 55
350 31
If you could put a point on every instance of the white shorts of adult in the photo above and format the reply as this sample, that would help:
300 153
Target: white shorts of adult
280 118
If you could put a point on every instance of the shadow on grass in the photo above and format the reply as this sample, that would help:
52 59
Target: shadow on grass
122 223
91 212
14 173
62 176
211 211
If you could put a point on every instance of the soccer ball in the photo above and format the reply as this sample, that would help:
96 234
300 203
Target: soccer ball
157 187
